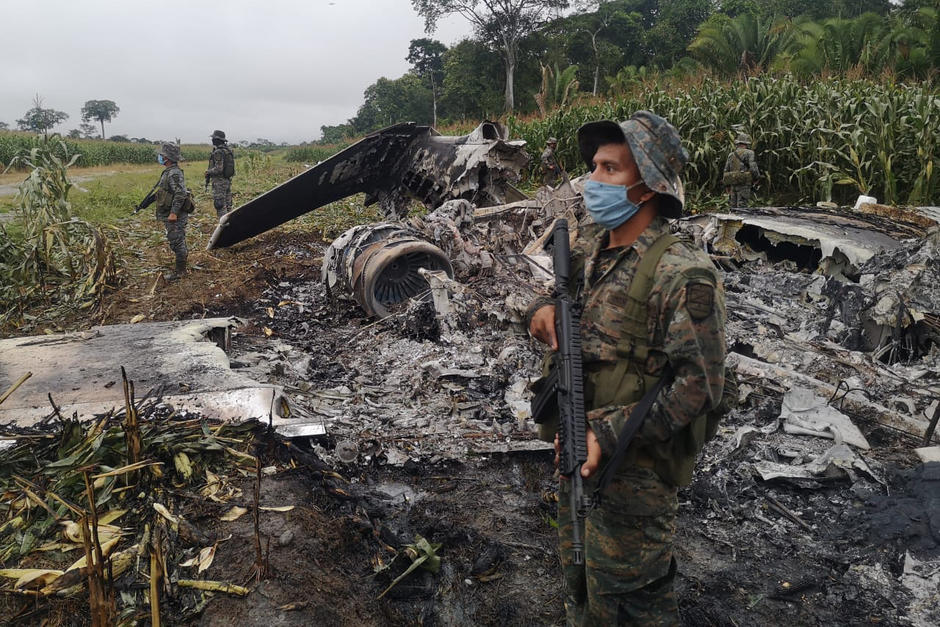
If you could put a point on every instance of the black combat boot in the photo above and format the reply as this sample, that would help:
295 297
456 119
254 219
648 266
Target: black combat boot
179 270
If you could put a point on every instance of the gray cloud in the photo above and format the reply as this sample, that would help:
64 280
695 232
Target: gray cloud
277 69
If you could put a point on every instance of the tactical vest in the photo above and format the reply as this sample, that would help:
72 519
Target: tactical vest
626 380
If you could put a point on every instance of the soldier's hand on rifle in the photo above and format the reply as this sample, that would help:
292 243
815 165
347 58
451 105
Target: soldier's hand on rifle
172 217
542 326
593 449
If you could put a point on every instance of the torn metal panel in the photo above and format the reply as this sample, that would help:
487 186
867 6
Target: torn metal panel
833 242
391 166
184 361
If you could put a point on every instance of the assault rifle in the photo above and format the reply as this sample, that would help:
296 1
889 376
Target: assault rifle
148 200
565 383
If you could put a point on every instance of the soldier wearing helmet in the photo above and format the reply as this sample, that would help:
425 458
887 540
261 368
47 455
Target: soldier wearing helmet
653 318
551 169
740 172
171 207
220 173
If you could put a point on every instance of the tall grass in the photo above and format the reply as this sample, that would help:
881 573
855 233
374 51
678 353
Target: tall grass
823 140
93 152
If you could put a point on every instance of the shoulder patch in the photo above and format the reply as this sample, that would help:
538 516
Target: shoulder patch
699 300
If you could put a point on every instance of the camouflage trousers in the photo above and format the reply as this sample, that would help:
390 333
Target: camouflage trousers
740 196
176 235
628 571
221 195
550 178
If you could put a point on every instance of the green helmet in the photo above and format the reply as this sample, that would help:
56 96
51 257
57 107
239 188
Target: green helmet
171 152
743 138
219 135
657 150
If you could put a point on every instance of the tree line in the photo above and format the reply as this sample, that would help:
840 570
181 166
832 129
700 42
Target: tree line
536 55
42 119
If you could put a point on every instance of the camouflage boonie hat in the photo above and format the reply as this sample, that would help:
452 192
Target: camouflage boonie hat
551 140
219 135
657 150
171 152
743 138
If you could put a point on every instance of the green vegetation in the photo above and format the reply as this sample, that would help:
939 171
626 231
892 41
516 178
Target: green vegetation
59 259
313 153
609 45
93 152
814 141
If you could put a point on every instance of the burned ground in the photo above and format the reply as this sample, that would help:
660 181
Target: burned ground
428 437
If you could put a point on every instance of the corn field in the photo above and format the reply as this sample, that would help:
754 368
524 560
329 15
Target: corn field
59 259
823 140
313 153
92 152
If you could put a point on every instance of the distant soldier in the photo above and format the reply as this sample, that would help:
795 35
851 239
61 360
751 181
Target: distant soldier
740 172
220 173
550 166
172 203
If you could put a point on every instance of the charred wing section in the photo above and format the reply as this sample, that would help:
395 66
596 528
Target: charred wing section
391 166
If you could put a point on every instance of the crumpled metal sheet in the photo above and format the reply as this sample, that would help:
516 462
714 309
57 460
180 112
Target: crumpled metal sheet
82 372
844 239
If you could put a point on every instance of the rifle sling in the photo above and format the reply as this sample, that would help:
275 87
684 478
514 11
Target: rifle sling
627 432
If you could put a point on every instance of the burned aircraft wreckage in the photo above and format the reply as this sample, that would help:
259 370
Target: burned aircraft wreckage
833 330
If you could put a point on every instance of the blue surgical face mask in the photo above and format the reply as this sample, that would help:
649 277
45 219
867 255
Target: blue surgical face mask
608 204
160 159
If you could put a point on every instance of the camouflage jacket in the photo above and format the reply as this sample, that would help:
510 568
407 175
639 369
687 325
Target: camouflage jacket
549 162
742 160
171 192
217 160
686 328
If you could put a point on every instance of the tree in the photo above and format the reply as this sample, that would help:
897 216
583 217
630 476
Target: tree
4 126
502 23
747 43
74 134
389 102
426 57
673 28
601 34
468 90
39 119
101 110
87 129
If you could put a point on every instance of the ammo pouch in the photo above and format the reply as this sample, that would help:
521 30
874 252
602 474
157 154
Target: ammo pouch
189 205
735 179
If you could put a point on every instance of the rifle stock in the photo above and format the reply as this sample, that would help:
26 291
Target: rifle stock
569 388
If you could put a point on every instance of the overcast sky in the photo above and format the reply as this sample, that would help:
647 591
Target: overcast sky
277 69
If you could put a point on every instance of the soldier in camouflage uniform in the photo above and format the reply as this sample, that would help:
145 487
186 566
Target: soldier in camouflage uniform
221 184
550 166
628 344
741 159
170 198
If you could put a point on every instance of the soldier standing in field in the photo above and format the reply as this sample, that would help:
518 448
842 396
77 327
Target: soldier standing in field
550 167
220 173
653 318
740 172
171 206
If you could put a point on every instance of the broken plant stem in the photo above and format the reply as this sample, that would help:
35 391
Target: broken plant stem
780 509
13 387
100 594
131 427
259 558
213 586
